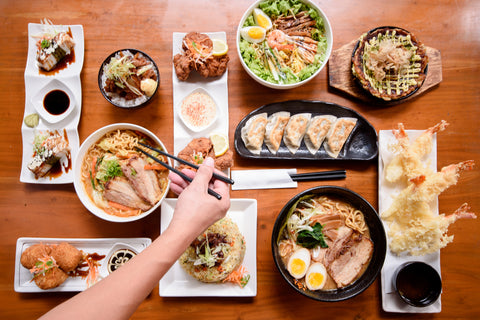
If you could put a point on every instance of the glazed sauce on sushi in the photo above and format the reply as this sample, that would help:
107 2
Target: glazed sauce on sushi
56 102
62 64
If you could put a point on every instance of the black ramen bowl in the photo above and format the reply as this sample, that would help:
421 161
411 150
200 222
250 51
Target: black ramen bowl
117 100
377 235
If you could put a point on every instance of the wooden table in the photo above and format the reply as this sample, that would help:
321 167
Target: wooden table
29 210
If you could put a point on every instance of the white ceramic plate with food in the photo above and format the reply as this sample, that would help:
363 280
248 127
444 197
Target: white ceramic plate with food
391 301
35 81
22 280
177 283
216 87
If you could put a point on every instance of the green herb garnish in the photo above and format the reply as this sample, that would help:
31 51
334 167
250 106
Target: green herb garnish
311 239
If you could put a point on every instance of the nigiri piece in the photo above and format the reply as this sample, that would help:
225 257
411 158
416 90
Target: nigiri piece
48 148
274 130
295 130
52 50
253 132
317 131
338 135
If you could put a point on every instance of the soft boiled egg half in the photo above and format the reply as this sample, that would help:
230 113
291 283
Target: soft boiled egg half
298 263
254 34
261 19
316 276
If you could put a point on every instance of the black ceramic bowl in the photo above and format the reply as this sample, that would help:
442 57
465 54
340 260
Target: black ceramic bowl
417 283
377 235
118 100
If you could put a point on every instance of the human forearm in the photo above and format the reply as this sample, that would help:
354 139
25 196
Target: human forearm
119 294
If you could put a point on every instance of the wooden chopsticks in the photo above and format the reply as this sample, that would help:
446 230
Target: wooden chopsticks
181 174
322 175
193 165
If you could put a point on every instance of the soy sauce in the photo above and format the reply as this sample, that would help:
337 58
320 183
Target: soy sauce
418 284
56 102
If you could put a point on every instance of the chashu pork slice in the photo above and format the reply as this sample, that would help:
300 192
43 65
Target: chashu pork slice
120 191
346 257
144 182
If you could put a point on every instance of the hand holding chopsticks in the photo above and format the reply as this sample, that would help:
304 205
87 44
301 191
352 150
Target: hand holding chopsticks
181 174
315 176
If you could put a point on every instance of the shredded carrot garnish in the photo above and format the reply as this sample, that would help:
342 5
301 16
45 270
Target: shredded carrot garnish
93 273
94 164
238 276
43 264
120 206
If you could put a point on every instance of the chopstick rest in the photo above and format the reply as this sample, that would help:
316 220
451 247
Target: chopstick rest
181 174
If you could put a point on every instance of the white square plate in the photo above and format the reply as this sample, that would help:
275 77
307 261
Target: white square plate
23 283
177 283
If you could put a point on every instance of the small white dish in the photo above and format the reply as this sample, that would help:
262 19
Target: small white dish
113 257
209 122
38 101
177 283
23 278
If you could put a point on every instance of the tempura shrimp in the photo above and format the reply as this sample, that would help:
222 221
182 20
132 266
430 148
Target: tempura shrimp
277 39
408 160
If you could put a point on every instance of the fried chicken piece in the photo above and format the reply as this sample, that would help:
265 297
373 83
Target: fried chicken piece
32 254
183 66
198 149
198 55
225 161
217 66
52 278
67 256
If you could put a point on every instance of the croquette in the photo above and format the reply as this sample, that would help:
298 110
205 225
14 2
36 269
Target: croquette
32 254
52 278
66 256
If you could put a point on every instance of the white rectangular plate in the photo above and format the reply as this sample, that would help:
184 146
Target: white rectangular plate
177 283
391 302
23 283
217 88
34 82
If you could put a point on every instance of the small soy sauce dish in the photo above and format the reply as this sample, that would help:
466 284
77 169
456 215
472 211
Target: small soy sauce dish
417 283
54 102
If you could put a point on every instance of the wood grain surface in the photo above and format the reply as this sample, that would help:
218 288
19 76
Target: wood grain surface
55 211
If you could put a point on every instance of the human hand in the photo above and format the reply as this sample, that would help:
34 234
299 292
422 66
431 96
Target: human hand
195 207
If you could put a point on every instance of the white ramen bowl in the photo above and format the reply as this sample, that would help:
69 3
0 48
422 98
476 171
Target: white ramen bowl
77 167
328 35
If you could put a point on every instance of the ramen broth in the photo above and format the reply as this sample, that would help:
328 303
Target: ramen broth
338 206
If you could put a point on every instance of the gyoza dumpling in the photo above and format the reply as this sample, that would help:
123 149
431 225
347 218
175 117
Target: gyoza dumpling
317 131
295 130
338 134
253 132
274 130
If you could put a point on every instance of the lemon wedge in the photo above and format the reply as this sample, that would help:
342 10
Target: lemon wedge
220 143
220 47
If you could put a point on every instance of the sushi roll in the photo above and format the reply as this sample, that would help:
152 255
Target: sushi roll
52 51
49 148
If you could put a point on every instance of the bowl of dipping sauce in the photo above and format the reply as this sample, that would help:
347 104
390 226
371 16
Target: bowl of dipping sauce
54 102
417 283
